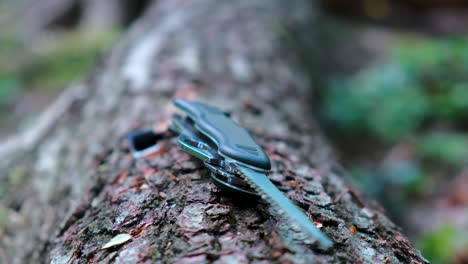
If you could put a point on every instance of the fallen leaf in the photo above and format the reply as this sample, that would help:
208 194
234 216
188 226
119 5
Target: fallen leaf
318 224
172 176
292 183
117 240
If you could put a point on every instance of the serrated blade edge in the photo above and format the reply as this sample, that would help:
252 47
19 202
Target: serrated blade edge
268 191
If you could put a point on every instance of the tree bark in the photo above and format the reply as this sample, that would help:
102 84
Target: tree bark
72 185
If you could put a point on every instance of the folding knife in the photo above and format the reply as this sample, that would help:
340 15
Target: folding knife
237 163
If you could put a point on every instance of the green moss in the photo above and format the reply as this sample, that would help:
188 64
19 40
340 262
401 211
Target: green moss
156 202
155 254
102 168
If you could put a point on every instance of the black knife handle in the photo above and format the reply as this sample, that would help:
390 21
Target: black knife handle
232 140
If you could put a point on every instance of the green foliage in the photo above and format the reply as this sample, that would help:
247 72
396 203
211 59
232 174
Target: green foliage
416 101
8 42
18 175
53 67
47 69
3 218
440 245
405 178
451 148
9 86
70 58
406 173
10 82
381 101
423 82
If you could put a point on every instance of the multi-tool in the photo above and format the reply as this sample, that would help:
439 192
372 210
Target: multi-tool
236 161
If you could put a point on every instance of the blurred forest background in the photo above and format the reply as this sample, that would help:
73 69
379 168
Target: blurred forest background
398 117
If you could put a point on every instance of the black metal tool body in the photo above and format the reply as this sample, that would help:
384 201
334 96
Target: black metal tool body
235 159
212 136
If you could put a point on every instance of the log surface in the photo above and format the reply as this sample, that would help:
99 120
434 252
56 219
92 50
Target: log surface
71 184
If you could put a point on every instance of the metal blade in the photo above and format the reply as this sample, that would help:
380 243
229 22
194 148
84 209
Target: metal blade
260 182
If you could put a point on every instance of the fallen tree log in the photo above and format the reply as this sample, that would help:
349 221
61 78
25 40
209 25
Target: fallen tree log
72 186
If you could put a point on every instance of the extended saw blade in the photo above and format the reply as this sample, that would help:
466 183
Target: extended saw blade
268 191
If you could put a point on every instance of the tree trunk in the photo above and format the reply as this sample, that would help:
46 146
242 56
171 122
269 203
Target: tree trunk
72 185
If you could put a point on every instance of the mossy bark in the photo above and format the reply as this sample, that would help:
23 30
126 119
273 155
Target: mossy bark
71 184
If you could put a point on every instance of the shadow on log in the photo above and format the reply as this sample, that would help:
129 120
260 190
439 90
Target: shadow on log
80 186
